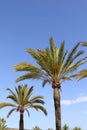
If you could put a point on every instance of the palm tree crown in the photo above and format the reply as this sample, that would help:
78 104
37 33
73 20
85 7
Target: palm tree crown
77 128
55 64
22 100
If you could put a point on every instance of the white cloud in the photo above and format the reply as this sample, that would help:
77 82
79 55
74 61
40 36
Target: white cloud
77 100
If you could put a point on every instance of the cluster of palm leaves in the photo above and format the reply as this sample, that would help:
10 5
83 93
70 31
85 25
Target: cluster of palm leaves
2 123
54 66
66 127
82 74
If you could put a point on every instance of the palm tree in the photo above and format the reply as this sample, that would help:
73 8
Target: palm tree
83 73
49 129
2 124
77 128
36 128
55 65
65 127
22 101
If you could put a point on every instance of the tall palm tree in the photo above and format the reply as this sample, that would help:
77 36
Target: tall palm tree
55 65
83 73
22 101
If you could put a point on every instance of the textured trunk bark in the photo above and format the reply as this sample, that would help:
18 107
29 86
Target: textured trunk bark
57 108
21 123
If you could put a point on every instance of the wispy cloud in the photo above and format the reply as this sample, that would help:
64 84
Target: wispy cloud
77 100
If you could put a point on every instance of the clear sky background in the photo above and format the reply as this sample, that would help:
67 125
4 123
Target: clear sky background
29 24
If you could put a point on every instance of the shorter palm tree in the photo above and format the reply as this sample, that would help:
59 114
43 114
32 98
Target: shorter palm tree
65 127
77 128
22 101
49 129
36 128
2 124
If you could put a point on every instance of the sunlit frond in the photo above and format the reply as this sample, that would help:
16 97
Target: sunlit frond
37 99
6 104
23 66
69 59
39 107
84 44
52 47
27 76
82 74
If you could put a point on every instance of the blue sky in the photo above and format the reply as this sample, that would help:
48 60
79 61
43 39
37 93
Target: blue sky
29 24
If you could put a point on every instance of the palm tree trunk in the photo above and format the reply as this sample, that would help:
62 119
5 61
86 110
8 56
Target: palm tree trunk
21 123
57 108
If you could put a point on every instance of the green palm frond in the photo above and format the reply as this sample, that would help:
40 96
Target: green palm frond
48 53
27 112
37 99
20 96
13 98
52 47
84 44
50 60
29 93
23 66
12 95
70 56
65 56
37 107
6 104
45 82
33 53
82 74
10 112
70 66
28 75
61 54
45 61
42 61
77 55
73 67
66 78
25 89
